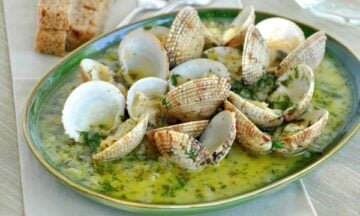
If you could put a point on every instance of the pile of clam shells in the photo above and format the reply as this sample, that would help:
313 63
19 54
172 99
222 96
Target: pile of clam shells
175 91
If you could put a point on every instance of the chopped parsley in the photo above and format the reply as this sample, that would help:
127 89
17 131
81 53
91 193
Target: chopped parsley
164 101
282 103
277 144
173 79
92 139
256 91
107 187
192 154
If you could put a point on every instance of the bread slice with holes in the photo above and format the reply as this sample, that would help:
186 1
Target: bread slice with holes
87 20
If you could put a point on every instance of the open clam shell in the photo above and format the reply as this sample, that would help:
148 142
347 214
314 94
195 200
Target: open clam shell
127 137
255 56
228 56
92 104
219 135
93 70
144 96
182 149
295 90
186 39
249 136
310 52
195 69
197 99
142 55
193 128
297 136
282 37
235 34
258 112
160 32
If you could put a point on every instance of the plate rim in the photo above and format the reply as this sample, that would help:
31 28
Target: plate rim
124 204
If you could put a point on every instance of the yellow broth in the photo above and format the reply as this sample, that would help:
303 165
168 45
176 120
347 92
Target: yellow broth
145 176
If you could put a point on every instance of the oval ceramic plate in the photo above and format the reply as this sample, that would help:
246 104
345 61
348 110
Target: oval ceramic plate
43 90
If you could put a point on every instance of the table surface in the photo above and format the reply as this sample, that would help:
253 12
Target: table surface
334 188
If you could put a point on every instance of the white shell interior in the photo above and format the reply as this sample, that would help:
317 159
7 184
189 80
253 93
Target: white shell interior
95 70
92 104
230 57
245 18
197 68
149 88
142 55
282 36
217 131
300 84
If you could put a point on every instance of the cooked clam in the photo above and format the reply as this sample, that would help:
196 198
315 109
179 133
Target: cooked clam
228 56
258 112
248 134
255 56
219 135
142 55
182 149
310 52
235 34
193 128
126 138
186 39
197 99
297 136
144 96
94 70
189 153
281 35
294 91
161 32
92 104
195 69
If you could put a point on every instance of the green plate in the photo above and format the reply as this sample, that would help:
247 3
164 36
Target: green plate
43 90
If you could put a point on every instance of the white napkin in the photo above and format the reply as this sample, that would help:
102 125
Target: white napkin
45 195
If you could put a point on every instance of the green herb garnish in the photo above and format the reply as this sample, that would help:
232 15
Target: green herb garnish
192 154
173 79
164 101
92 139
277 144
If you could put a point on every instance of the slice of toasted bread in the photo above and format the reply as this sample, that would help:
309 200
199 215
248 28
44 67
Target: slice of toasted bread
87 20
54 14
51 41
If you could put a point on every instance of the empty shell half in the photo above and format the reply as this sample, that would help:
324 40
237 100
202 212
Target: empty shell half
249 136
219 136
310 52
92 104
294 92
142 55
197 99
255 58
186 39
